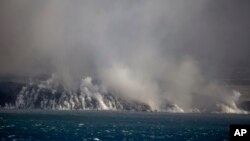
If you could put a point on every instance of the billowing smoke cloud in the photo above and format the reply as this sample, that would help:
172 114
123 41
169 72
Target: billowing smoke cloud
131 47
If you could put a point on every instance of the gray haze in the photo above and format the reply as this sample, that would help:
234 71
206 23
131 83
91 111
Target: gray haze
148 51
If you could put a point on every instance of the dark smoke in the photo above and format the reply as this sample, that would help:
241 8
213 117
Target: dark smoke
151 52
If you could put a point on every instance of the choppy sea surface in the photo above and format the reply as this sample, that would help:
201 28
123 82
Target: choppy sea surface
40 125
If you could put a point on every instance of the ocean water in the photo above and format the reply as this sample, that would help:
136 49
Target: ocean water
41 125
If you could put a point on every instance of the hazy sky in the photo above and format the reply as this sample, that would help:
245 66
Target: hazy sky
147 51
38 37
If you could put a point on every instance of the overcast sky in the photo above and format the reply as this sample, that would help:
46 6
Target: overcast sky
39 37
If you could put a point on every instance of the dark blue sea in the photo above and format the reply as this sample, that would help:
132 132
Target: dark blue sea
38 125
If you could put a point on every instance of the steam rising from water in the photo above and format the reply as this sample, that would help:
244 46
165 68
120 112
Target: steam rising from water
129 48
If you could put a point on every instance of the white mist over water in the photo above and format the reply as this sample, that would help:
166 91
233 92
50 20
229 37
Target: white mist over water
129 46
